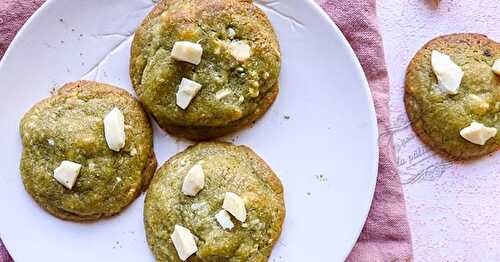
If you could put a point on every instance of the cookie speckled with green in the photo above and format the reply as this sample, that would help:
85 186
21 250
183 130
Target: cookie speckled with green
69 126
437 117
227 168
234 92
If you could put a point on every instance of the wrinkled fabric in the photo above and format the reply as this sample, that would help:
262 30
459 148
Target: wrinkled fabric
13 14
386 234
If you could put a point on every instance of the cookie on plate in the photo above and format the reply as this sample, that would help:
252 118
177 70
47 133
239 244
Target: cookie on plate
452 95
221 200
87 151
205 68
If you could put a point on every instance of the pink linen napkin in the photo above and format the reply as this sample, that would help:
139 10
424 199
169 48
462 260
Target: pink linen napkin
386 234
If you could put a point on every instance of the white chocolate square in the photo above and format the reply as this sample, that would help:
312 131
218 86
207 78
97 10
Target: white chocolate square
240 50
235 205
224 219
194 181
66 173
187 51
448 73
496 67
114 129
478 133
186 92
184 242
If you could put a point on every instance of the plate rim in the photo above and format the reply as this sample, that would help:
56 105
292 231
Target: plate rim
373 114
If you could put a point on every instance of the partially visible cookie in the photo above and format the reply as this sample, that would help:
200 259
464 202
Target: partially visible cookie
227 47
441 115
197 189
68 165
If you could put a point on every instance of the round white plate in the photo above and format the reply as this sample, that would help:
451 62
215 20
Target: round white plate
320 136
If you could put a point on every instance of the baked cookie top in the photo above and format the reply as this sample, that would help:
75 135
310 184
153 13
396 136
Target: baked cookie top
445 119
238 70
226 168
69 126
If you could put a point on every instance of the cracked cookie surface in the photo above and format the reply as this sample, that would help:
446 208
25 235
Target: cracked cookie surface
235 91
69 126
227 168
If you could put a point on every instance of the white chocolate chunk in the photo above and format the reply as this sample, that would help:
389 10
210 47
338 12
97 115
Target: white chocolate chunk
187 51
496 67
186 92
478 133
66 173
235 205
478 103
184 242
114 129
222 93
224 219
133 152
231 33
194 181
239 50
448 73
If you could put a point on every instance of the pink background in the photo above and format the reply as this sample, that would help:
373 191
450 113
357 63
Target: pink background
453 208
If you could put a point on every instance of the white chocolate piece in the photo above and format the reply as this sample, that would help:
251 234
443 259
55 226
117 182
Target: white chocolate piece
478 133
235 205
194 181
114 129
448 73
239 50
184 242
66 173
224 219
222 93
186 92
478 102
496 67
187 51
231 33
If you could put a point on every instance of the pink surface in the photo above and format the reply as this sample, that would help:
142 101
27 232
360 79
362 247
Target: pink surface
452 207
386 234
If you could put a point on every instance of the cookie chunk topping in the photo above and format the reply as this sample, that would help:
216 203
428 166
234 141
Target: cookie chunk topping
66 173
478 133
448 73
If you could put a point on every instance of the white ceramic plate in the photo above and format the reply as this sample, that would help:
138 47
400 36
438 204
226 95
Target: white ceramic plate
320 136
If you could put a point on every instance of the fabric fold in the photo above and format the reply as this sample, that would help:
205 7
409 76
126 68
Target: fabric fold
386 234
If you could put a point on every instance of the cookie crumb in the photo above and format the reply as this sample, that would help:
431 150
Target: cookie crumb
321 178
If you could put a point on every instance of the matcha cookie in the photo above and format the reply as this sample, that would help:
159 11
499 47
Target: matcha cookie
452 95
67 164
222 199
226 47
